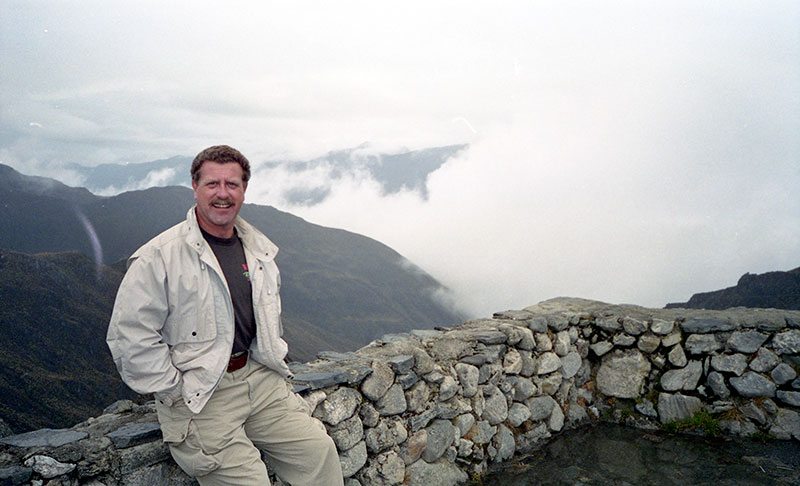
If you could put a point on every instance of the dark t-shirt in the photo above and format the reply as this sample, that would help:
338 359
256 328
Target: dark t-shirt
230 255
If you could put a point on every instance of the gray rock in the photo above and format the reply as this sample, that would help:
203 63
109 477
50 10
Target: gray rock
786 425
528 363
353 459
671 339
787 342
388 433
526 342
796 384
440 473
783 373
556 422
401 364
44 438
513 334
421 420
513 315
634 327
452 408
682 378
765 361
496 408
746 342
729 363
448 388
647 409
561 346
674 408
423 363
512 362
677 357
600 348
518 413
523 389
623 340
445 348
134 434
413 449
47 467
369 416
14 475
475 360
541 407
570 364
347 433
789 397
339 405
705 325
753 412
504 443
543 343
576 414
717 384
490 337
393 402
648 343
547 363
549 384
441 434
386 469
315 381
142 456
557 323
622 374
662 327
407 380
481 433
609 324
120 406
702 344
417 397
753 385
464 422
538 324
379 382
771 325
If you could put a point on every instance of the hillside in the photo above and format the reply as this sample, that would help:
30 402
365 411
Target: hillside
778 290
55 368
340 290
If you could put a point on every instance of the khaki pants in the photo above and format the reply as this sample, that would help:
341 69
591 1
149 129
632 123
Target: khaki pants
252 410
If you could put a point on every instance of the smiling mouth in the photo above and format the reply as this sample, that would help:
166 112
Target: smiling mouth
222 204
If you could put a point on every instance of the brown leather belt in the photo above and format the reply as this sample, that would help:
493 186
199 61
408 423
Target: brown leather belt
237 361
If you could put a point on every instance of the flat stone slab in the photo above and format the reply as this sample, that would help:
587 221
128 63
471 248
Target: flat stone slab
705 325
320 380
134 434
44 438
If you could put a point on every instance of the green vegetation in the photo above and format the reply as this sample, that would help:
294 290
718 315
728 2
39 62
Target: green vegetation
701 420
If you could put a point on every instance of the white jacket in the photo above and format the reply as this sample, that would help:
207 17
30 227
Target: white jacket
172 326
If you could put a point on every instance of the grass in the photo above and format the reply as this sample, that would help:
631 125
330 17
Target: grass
701 420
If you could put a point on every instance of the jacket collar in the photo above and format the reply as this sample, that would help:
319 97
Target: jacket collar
252 239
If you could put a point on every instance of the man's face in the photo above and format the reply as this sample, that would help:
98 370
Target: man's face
219 193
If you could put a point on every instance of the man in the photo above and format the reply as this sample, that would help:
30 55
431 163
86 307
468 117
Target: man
197 322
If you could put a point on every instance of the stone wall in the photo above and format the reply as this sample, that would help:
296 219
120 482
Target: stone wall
437 407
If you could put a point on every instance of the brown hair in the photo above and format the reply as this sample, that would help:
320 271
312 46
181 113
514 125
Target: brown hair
222 154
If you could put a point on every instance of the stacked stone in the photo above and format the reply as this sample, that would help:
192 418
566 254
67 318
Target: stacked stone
435 406
737 361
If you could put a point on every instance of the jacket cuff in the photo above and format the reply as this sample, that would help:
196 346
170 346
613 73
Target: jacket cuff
170 396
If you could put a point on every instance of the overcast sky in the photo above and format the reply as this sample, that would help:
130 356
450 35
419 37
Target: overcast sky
631 152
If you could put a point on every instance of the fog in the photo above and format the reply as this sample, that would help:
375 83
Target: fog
617 151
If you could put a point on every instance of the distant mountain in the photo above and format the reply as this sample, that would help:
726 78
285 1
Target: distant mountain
112 179
779 290
403 170
340 290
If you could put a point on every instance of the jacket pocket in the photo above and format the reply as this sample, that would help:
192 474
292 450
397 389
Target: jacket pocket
190 326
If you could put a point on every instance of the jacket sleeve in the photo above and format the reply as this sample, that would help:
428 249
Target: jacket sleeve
134 333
